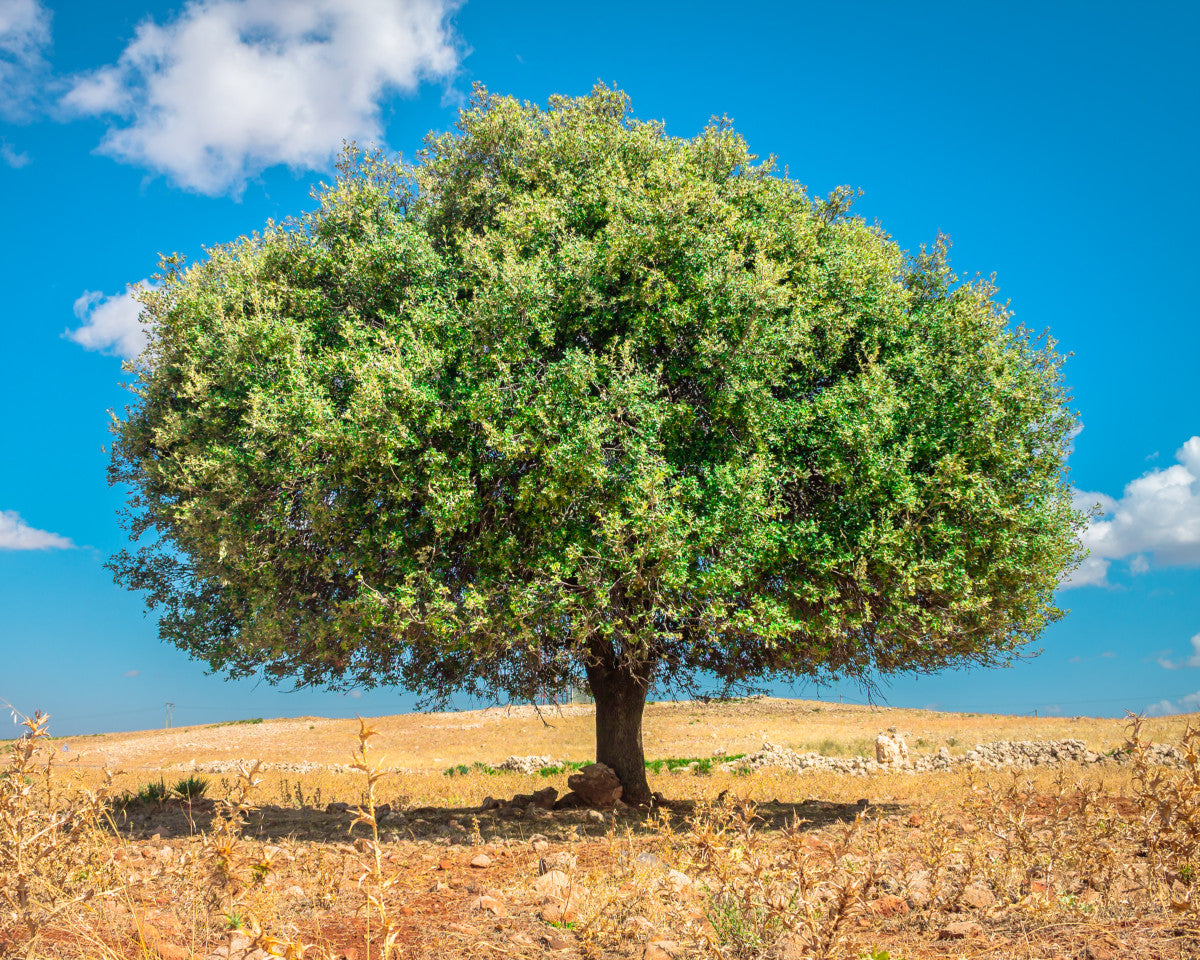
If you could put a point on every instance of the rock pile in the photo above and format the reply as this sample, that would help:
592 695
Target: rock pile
234 765
1002 753
1030 753
527 765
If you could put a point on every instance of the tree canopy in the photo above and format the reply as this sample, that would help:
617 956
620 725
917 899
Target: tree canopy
571 400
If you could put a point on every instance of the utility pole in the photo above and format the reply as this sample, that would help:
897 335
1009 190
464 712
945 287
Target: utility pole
170 713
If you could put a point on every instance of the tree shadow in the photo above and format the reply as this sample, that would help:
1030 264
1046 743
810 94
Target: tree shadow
463 825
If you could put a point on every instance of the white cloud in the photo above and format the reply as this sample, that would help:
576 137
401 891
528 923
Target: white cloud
1192 661
1185 704
132 673
24 35
231 87
12 157
1156 521
16 534
110 324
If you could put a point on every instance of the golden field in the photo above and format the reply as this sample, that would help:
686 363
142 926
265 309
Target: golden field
1094 861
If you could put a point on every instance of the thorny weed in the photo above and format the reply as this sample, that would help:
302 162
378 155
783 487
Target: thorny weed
758 893
52 859
1168 824
371 878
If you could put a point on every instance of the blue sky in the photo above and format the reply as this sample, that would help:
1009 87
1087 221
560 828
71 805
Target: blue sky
1055 143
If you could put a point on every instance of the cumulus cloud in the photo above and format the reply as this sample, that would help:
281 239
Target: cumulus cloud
24 35
1167 663
1164 708
110 324
16 534
132 673
231 87
1156 521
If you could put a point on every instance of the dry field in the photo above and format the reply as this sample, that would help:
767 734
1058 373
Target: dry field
359 844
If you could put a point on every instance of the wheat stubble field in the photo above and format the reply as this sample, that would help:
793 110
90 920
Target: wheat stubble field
186 850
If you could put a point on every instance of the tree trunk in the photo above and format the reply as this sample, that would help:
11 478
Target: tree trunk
620 700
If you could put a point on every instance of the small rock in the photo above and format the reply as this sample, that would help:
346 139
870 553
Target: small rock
240 947
978 898
481 861
560 860
680 882
889 906
552 883
556 941
489 903
662 950
960 930
445 865
597 785
595 816
545 798
569 801
559 911
792 948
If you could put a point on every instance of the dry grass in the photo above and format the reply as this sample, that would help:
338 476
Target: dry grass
435 741
364 862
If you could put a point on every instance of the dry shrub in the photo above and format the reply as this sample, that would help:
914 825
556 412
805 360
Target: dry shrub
52 855
1168 823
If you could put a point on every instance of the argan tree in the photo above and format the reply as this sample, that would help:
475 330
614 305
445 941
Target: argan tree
572 401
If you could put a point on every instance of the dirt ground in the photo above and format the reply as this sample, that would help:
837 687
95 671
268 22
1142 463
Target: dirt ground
319 859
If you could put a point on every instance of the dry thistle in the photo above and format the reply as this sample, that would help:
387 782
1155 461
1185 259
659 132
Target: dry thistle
52 858
372 879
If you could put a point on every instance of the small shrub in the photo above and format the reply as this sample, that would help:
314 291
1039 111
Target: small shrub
190 788
152 792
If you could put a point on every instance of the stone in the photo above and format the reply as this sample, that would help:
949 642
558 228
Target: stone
561 860
560 911
595 816
488 903
545 798
891 750
556 941
680 882
662 950
597 785
569 801
527 765
792 947
553 883
976 897
889 905
960 930
239 947
481 861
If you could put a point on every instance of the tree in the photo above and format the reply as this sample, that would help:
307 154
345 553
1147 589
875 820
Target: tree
570 400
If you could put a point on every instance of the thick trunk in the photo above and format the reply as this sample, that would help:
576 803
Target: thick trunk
620 700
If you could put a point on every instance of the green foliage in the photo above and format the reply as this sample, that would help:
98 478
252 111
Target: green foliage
238 723
462 769
190 788
572 391
152 792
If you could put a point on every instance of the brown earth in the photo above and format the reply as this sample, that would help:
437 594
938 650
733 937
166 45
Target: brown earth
1058 862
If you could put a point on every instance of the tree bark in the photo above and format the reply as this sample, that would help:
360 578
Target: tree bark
620 697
